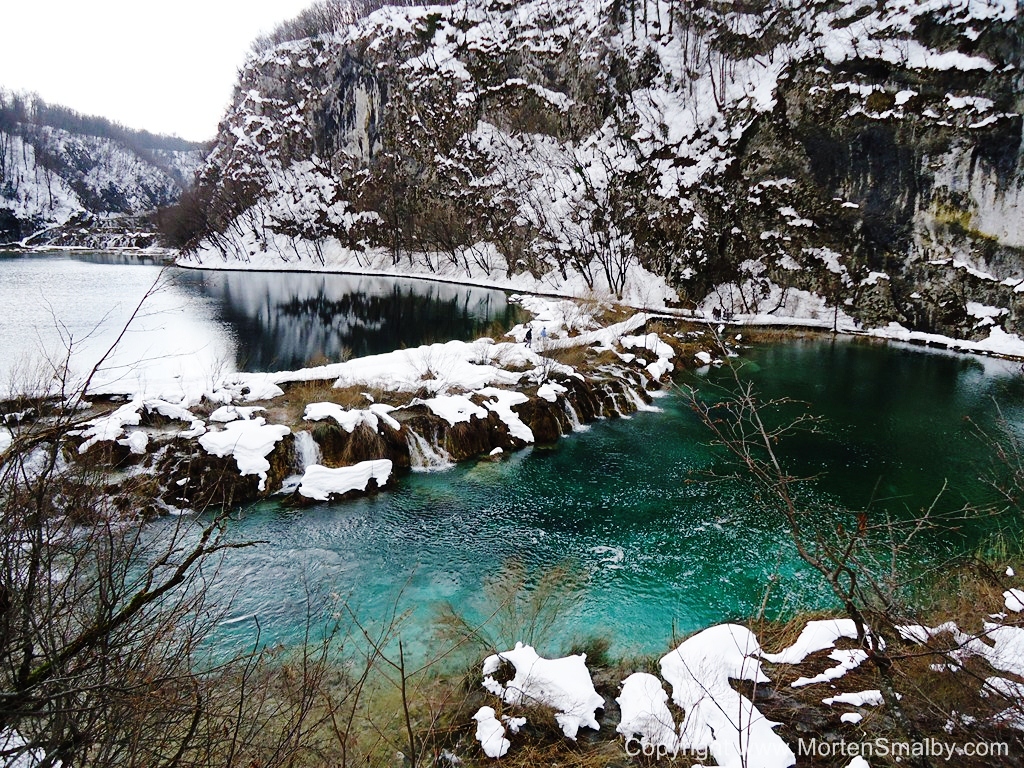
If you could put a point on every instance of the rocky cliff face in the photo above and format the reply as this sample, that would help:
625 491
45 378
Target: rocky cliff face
850 162
67 179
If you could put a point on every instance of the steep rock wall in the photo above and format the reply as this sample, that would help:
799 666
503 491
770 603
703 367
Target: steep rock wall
846 160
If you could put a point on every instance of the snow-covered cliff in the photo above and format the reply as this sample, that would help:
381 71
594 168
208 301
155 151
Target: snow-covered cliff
853 162
58 167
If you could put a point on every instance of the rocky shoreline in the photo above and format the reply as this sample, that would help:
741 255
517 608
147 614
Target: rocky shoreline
353 427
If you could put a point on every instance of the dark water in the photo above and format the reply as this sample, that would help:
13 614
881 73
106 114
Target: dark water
897 419
625 506
285 321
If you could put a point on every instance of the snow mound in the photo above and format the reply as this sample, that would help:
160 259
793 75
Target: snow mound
550 391
717 717
501 404
136 442
249 442
111 426
454 409
651 343
1014 599
490 733
562 684
320 483
645 713
227 413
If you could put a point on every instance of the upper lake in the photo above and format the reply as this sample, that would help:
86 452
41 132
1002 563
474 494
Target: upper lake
197 325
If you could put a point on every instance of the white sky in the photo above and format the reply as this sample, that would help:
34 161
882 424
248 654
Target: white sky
165 67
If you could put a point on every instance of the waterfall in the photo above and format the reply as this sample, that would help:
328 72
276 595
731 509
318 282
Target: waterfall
307 451
425 456
638 401
574 419
614 397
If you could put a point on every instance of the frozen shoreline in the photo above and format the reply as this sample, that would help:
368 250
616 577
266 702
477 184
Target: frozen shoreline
998 344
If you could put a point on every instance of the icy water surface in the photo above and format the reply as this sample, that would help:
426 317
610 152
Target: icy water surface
657 554
198 325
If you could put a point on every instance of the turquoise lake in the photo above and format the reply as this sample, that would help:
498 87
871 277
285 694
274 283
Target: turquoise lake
625 506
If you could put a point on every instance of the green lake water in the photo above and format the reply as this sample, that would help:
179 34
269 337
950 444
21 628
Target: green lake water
624 505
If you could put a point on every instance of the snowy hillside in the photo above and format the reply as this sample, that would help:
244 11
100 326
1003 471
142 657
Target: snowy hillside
56 165
849 163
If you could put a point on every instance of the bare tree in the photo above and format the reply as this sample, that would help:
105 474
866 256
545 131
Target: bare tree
95 610
865 557
106 654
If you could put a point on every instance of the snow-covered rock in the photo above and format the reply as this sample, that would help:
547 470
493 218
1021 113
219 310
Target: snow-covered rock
562 684
546 174
249 442
320 483
718 718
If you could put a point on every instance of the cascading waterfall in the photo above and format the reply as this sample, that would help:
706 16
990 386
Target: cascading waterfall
638 401
425 456
614 397
307 453
307 450
574 419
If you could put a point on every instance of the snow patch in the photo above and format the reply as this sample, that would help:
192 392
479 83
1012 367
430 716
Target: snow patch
320 483
1013 599
562 684
815 636
249 442
645 713
500 402
870 698
491 733
718 717
848 660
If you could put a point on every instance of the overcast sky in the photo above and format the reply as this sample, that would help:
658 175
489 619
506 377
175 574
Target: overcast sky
165 67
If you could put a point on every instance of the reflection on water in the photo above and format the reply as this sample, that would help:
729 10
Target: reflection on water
289 320
200 325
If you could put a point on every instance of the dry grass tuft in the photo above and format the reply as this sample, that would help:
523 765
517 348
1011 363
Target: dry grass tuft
364 444
660 327
532 752
299 394
772 334
964 595
576 357
527 606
